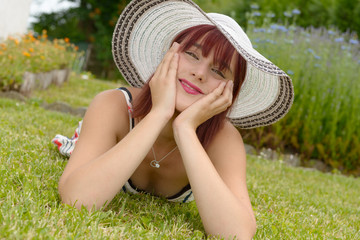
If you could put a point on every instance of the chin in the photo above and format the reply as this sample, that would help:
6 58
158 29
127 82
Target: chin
183 101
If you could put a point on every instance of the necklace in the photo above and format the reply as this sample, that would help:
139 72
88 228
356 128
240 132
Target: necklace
156 164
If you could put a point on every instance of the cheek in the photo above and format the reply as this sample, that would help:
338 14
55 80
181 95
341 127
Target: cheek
212 84
182 62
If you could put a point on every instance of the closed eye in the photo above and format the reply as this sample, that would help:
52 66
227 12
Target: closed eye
192 55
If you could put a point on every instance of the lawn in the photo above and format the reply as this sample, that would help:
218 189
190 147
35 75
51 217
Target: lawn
289 203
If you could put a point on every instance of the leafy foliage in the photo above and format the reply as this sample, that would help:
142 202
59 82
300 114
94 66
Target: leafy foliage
93 22
33 54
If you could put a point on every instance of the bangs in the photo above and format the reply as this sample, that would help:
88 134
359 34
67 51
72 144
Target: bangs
212 39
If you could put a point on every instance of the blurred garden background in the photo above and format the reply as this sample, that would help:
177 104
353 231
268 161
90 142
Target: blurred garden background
316 42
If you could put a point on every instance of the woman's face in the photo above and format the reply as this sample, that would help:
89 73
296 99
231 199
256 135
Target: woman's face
198 76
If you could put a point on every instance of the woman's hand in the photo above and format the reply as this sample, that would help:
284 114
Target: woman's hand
205 108
163 83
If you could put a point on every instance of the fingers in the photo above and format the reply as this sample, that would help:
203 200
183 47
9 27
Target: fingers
221 97
169 60
173 65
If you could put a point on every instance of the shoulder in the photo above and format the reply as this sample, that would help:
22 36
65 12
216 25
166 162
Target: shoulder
109 109
114 96
113 100
227 137
226 150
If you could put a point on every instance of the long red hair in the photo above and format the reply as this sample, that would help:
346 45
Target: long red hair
213 39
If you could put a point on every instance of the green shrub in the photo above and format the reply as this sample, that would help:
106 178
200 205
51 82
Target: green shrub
342 14
347 15
324 121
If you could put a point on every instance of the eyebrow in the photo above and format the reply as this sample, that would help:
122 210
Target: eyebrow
225 64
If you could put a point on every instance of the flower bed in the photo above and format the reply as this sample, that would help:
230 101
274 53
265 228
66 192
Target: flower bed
324 121
35 62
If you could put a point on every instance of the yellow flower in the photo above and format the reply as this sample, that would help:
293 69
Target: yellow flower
26 54
42 57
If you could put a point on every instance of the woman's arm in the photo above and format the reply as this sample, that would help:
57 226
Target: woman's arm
219 183
99 166
106 155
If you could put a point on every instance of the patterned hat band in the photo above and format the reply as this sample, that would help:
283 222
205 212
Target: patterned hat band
144 33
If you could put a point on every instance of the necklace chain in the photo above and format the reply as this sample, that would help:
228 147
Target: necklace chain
156 164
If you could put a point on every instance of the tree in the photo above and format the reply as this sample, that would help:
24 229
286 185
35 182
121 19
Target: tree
93 22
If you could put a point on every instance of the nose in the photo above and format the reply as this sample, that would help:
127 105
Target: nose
199 72
197 77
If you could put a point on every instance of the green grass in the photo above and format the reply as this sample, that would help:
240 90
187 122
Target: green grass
289 203
77 92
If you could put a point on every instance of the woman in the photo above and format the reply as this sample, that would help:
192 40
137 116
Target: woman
181 143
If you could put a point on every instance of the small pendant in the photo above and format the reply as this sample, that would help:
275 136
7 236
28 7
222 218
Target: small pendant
154 164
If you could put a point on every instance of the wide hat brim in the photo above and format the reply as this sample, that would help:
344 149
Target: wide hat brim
144 33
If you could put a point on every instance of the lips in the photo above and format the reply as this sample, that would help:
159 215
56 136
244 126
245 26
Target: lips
190 88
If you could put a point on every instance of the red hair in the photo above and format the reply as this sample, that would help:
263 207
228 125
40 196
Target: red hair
213 39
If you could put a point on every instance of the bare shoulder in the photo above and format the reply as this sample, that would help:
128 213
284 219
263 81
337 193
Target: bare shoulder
227 139
227 153
110 108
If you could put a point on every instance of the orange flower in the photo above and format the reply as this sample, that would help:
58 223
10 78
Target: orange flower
1 52
97 11
67 40
31 50
26 54
76 48
44 34
16 41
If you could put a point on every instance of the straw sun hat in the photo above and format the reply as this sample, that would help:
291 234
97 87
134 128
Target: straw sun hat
143 35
